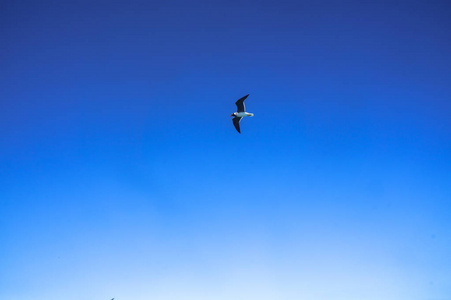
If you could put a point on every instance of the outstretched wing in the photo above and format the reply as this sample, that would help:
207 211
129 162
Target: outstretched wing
240 104
236 123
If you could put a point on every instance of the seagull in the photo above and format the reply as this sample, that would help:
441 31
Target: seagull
240 113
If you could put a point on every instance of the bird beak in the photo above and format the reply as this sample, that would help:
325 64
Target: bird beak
231 115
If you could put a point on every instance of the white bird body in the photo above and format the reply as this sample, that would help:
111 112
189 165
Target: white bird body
243 114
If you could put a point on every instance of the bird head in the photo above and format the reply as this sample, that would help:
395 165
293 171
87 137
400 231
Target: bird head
232 114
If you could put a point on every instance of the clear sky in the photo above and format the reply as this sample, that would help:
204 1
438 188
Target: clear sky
121 174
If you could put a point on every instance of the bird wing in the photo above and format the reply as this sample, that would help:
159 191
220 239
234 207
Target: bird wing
240 104
236 123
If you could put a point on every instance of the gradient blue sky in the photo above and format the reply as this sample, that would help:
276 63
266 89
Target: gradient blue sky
121 174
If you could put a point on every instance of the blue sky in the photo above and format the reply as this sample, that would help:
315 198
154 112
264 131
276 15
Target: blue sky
121 174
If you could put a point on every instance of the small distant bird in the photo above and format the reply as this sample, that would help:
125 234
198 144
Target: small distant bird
240 113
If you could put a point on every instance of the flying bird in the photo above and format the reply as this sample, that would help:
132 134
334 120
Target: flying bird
240 113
